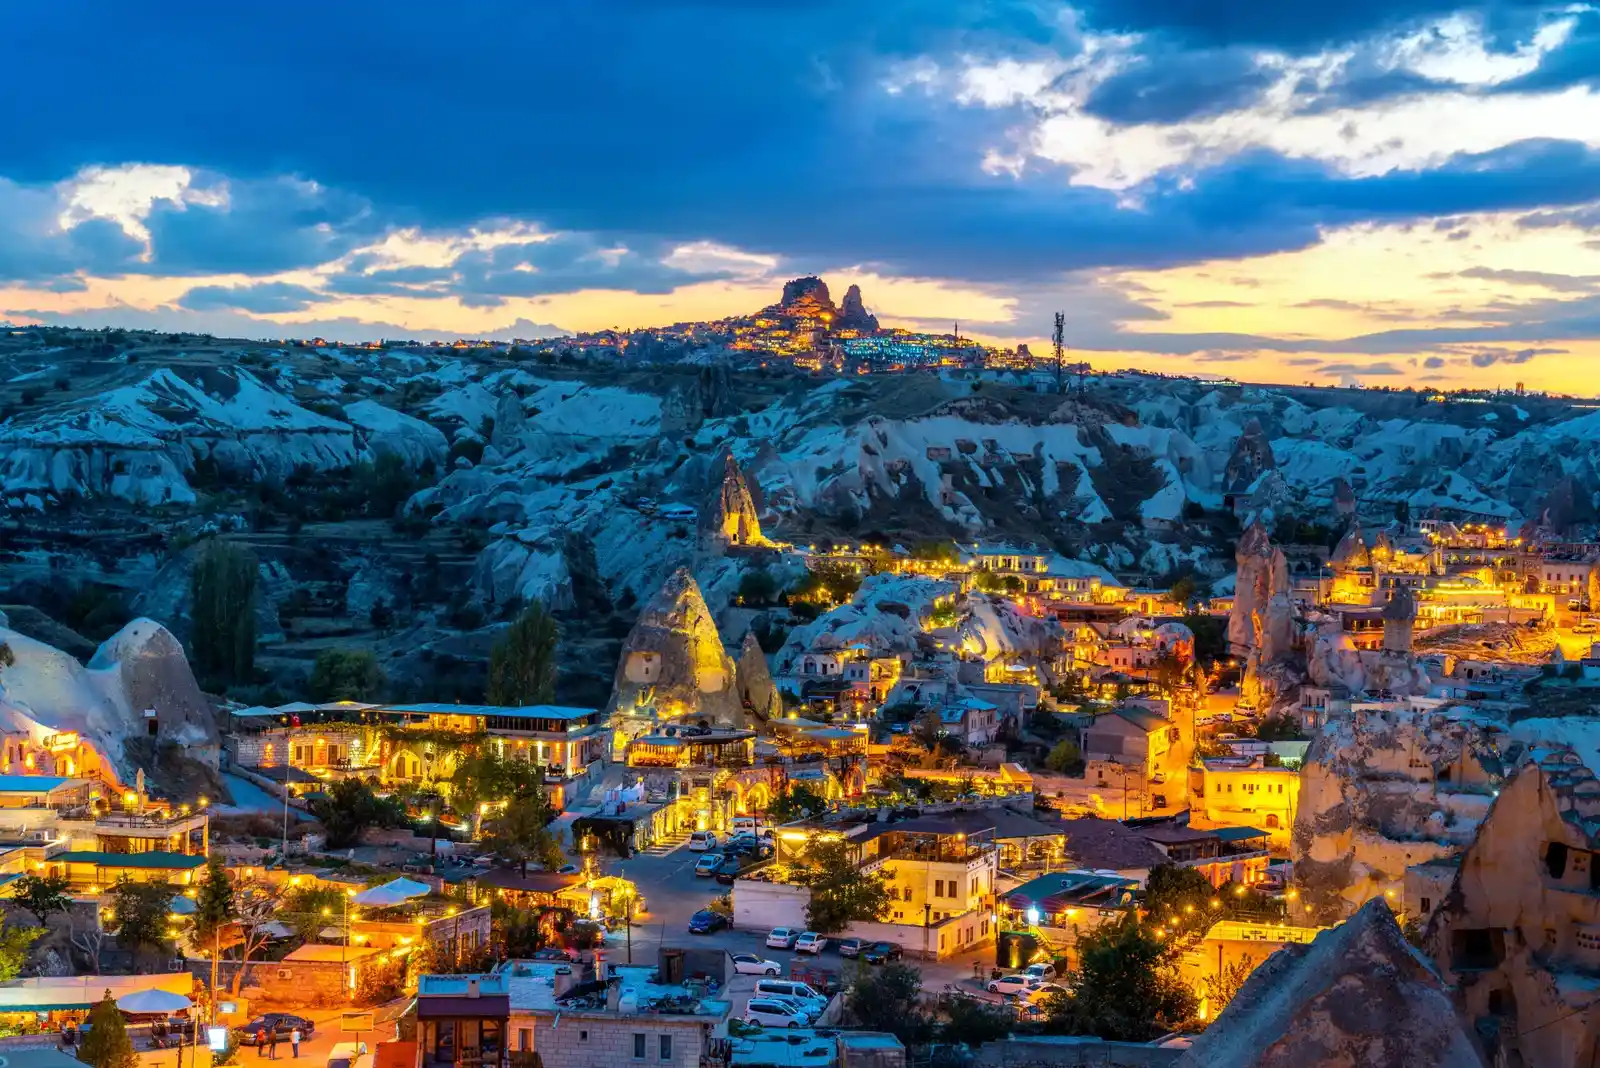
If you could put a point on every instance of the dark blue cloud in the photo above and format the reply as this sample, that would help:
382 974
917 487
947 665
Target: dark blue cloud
261 298
1171 85
1299 27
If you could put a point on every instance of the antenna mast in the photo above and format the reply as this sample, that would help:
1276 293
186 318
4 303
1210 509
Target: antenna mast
1059 342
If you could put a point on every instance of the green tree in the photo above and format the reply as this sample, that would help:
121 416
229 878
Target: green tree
107 1044
1220 989
14 945
484 776
307 908
223 591
1184 590
522 664
521 834
345 675
139 914
890 999
758 587
801 802
970 1022
348 807
214 904
1127 987
841 894
1064 757
42 895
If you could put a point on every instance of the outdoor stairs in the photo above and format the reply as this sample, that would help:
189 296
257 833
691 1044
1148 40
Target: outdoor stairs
666 845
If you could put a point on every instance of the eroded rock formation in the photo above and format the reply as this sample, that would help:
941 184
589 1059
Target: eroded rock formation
729 516
1399 616
1252 457
1357 995
853 314
756 691
673 663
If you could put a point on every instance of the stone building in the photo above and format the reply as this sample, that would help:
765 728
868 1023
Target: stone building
1519 932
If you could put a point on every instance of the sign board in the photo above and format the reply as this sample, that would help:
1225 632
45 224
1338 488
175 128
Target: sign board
217 1039
352 1023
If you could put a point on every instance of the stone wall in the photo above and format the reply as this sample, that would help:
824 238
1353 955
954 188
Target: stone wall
761 906
302 984
958 934
588 1040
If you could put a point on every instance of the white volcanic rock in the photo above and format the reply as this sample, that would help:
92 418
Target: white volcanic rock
45 691
386 430
886 616
674 660
1357 995
756 689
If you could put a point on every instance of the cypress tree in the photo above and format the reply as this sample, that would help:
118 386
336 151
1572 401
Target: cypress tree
223 590
522 664
107 1044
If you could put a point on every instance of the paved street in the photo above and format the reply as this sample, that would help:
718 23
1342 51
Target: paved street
673 893
313 1051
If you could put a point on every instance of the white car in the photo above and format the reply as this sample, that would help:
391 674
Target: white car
1014 984
1041 971
700 841
810 942
750 964
768 1012
792 990
708 864
782 938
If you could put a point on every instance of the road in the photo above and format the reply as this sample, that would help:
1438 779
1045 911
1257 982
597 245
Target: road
673 893
314 1050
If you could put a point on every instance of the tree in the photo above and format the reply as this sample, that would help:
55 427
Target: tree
107 1044
484 776
223 591
345 675
1184 590
139 913
521 834
1127 987
88 940
42 895
258 904
348 807
1221 988
522 664
14 945
307 908
970 1022
890 999
1064 757
841 894
801 802
758 587
214 906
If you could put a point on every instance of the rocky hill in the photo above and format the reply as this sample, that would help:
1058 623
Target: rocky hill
410 499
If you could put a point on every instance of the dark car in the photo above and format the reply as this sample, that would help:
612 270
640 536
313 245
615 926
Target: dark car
554 953
281 1024
705 921
850 947
881 952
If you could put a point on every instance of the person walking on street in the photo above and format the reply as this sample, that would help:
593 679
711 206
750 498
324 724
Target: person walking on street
294 1042
261 1041
272 1050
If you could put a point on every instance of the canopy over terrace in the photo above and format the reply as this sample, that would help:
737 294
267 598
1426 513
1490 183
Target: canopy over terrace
390 894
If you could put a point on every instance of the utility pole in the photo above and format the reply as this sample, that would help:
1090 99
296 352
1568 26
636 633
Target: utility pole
1059 345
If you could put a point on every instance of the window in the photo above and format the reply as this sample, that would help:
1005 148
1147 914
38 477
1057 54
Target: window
583 1036
638 1047
524 1039
938 888
666 1047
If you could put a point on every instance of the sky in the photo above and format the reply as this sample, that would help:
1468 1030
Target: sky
1396 193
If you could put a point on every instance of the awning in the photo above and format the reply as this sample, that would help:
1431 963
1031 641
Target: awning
487 1005
142 1002
393 893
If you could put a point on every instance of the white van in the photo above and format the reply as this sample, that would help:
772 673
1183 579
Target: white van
700 841
768 1013
751 825
791 988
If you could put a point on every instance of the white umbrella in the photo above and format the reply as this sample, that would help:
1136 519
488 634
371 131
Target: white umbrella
152 1001
397 892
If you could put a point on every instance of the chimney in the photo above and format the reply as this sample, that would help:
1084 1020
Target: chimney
472 988
600 971
614 997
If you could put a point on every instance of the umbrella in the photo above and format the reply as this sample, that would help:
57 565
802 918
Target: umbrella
153 1001
183 906
397 892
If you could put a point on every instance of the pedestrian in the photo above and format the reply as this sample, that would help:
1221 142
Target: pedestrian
294 1042
272 1051
261 1040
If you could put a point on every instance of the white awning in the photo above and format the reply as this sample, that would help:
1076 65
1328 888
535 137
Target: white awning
397 892
152 1001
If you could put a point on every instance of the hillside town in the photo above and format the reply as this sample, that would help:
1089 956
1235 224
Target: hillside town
982 797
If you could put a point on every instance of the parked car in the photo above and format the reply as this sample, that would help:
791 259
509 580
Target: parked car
555 953
768 1013
1044 970
568 869
849 947
1037 995
700 841
1014 984
803 993
727 875
882 952
751 825
705 921
810 942
280 1023
782 938
708 864
750 964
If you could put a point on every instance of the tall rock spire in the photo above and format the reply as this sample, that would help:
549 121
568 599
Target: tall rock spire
730 515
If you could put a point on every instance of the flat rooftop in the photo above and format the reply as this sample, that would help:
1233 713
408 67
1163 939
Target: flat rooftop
532 985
